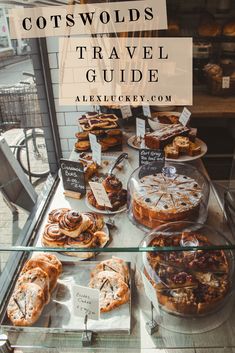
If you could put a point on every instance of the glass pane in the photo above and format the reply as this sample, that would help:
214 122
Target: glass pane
24 148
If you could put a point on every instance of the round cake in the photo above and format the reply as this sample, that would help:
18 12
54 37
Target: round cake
160 199
188 282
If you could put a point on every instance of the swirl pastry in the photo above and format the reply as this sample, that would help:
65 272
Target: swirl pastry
112 184
55 215
87 240
73 223
97 221
52 236
84 240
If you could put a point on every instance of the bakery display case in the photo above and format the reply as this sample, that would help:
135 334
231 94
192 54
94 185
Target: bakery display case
194 286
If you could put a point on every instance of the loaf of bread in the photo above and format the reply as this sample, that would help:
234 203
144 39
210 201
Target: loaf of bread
33 288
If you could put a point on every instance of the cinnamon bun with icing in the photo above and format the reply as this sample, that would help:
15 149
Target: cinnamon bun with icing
73 223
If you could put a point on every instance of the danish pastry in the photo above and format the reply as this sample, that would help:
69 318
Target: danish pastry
54 215
73 223
52 236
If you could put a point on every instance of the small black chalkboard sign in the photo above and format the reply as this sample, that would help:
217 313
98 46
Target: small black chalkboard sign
151 161
73 176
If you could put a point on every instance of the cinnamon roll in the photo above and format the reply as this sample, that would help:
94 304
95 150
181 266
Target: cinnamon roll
112 184
52 236
87 240
55 215
73 223
97 221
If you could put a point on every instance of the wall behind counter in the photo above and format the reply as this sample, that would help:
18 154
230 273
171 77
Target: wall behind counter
67 116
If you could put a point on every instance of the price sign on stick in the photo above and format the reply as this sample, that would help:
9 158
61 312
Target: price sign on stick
126 111
147 111
140 127
185 116
86 302
73 176
226 82
100 194
96 149
150 292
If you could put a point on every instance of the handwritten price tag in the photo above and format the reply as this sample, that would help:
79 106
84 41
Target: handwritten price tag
92 139
126 111
96 153
185 116
73 176
86 301
150 292
226 82
96 149
147 111
140 127
100 194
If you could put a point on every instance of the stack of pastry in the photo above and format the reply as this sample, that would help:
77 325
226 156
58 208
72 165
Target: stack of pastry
188 283
180 146
93 121
107 138
33 289
116 194
111 277
68 228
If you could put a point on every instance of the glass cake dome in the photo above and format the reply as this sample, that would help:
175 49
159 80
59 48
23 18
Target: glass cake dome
194 288
158 195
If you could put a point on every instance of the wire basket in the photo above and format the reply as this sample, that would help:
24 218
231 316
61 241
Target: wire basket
19 107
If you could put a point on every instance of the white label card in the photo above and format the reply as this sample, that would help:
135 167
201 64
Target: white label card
96 149
96 153
86 301
185 116
150 292
226 82
100 194
147 111
93 139
140 127
126 111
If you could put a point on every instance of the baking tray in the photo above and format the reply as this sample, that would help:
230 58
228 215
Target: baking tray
57 316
